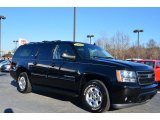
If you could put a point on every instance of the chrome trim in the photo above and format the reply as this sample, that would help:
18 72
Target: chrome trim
145 75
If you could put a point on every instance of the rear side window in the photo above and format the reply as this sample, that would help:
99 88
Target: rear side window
46 52
24 51
18 51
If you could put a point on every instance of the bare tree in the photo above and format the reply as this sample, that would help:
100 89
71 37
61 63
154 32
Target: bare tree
152 49
119 47
120 43
151 43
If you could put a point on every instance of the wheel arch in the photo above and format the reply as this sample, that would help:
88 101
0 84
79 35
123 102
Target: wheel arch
21 69
88 77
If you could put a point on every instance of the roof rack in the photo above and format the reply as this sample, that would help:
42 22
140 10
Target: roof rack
33 42
45 41
51 41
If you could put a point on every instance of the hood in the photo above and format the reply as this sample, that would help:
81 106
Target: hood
121 64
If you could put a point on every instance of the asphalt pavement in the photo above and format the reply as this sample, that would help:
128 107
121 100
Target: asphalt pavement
44 101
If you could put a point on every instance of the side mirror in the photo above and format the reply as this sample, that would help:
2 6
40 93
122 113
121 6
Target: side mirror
70 57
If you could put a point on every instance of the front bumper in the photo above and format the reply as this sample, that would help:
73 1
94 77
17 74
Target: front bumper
126 95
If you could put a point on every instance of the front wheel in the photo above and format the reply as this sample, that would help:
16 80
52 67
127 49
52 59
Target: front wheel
95 96
24 85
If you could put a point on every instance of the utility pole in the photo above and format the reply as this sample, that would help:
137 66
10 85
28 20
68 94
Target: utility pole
74 26
15 41
138 50
90 36
1 18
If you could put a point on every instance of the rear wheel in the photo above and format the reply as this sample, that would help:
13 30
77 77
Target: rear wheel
24 85
95 96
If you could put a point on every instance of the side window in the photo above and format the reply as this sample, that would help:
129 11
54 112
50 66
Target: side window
18 51
62 48
83 52
46 52
24 51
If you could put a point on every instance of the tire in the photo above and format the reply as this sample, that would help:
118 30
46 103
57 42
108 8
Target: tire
24 85
95 96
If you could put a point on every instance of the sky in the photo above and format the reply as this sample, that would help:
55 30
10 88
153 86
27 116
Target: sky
56 23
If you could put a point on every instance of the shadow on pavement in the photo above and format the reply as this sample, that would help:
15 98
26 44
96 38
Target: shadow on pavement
8 110
2 74
14 83
49 93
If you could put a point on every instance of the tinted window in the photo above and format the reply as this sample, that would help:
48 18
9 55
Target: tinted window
46 51
24 51
150 63
88 51
63 48
18 51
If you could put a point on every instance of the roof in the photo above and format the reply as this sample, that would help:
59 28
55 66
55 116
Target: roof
56 41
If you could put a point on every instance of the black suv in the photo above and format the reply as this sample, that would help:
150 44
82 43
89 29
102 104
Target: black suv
83 70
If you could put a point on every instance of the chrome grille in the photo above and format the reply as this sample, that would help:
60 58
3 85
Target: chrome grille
146 77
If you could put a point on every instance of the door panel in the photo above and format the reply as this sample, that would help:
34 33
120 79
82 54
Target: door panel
63 73
38 71
53 73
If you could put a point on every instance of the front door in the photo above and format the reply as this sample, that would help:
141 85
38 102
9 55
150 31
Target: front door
63 72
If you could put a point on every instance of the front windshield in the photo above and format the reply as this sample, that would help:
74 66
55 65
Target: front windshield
149 63
88 51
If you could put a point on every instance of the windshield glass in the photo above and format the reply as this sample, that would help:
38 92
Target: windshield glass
150 63
88 51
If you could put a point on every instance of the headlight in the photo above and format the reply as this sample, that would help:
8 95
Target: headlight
126 76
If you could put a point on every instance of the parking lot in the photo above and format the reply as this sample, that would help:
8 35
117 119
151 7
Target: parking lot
43 101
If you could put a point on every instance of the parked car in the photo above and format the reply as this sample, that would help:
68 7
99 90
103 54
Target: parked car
134 59
155 64
1 61
5 68
5 62
85 71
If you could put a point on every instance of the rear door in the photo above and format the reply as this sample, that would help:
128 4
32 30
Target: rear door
41 64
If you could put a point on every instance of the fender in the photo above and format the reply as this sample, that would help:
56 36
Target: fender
92 76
